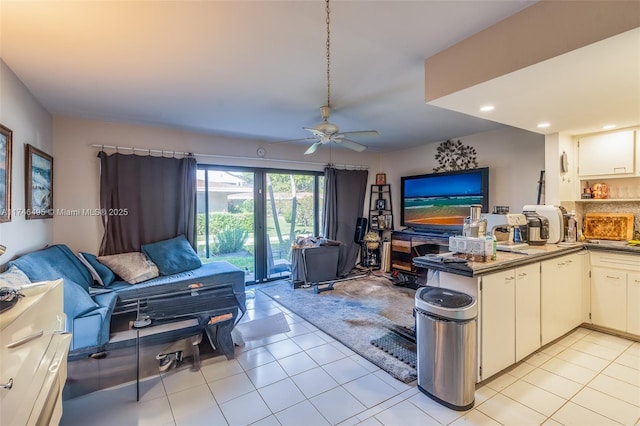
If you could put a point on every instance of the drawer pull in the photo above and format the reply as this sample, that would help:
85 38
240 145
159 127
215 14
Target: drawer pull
25 339
7 385
613 278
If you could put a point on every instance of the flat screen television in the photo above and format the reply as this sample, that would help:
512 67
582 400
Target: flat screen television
439 202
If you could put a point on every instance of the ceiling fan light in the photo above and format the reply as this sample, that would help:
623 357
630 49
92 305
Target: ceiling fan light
327 128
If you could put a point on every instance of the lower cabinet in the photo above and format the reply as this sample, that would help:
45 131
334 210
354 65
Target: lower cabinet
527 310
498 322
510 317
615 291
609 297
560 296
633 302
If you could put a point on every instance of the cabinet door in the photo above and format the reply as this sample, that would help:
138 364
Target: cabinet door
572 273
608 298
606 154
498 322
560 296
527 310
633 302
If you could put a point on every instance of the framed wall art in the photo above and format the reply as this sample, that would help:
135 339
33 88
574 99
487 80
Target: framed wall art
38 183
381 179
6 140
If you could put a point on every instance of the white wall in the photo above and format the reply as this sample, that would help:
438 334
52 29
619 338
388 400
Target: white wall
560 186
77 168
515 158
31 124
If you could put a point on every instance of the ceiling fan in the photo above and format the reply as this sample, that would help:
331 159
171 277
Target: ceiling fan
325 132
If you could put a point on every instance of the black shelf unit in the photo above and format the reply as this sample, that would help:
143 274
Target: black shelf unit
380 209
380 220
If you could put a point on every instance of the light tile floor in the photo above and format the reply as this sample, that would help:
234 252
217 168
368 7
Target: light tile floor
305 377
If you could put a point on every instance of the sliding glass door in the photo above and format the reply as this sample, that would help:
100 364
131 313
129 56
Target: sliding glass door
225 217
251 217
291 210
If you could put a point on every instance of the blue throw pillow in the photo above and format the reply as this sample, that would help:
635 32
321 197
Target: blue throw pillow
173 255
77 301
101 274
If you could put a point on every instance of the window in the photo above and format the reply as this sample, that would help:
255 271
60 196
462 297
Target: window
250 217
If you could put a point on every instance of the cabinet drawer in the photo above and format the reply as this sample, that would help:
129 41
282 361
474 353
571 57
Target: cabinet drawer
24 341
398 246
630 262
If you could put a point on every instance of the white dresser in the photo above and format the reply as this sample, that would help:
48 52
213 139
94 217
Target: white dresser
33 357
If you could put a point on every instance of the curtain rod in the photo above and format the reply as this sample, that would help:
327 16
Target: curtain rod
232 157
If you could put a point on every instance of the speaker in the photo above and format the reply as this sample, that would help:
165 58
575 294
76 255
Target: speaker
361 229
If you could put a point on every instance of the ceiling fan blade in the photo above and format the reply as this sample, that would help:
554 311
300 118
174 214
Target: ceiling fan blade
362 133
293 140
312 148
347 143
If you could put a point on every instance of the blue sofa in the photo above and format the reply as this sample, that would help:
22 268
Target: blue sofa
89 309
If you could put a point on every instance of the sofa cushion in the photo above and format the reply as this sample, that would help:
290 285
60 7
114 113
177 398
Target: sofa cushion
173 255
77 301
100 273
13 277
57 261
133 267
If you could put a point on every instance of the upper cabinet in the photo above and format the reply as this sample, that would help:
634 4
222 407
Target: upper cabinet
607 154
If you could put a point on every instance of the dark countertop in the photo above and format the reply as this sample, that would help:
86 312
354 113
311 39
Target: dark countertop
612 246
505 260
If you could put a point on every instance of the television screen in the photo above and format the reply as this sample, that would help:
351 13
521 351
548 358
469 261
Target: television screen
441 201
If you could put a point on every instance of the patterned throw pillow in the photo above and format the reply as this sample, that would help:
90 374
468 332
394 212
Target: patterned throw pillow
13 278
132 267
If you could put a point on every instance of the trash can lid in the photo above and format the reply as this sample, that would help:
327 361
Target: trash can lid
446 303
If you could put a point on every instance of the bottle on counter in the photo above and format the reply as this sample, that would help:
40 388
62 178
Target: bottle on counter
474 225
571 228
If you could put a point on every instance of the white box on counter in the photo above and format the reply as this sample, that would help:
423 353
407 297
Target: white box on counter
479 249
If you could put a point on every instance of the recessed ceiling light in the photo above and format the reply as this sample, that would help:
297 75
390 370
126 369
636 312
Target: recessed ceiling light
543 125
487 108
609 127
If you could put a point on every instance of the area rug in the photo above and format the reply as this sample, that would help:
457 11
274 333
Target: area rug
355 313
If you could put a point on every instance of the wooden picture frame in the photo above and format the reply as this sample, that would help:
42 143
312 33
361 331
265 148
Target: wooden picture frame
38 183
6 141
381 179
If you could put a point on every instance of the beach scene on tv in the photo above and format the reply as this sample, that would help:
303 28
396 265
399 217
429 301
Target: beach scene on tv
440 200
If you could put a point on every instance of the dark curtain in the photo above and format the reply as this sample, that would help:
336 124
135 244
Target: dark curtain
344 194
145 199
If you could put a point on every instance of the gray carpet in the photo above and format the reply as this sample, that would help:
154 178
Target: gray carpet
354 313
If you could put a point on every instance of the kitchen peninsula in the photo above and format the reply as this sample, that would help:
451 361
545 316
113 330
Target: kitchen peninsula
529 300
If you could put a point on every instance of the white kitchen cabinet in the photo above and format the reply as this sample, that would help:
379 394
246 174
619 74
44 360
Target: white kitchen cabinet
498 322
615 291
609 297
560 296
606 154
633 302
527 310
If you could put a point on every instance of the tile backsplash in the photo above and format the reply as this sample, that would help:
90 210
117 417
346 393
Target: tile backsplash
581 208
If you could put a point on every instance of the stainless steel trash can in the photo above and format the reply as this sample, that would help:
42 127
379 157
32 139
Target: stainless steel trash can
446 346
